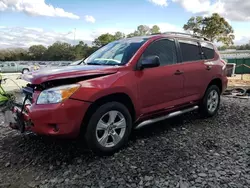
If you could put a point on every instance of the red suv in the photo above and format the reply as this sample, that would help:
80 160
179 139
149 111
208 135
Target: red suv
124 85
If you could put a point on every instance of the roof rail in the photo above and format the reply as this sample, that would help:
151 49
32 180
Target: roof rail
186 34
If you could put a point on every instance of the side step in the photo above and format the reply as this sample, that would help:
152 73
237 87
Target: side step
173 114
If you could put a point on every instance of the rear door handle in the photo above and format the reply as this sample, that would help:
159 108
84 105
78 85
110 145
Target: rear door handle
178 72
208 67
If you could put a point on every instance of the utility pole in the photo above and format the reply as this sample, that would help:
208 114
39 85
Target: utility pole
74 36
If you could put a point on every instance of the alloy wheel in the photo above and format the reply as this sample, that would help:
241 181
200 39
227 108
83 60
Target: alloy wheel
111 128
212 101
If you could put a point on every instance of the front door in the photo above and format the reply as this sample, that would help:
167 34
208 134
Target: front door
6 67
160 88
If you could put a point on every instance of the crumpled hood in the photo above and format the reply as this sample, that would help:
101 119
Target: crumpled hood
48 74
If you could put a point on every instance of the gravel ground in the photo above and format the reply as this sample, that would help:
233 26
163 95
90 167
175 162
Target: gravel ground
183 152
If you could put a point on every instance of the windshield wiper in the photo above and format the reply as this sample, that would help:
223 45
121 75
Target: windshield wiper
94 63
103 64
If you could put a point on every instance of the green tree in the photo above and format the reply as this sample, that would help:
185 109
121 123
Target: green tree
218 29
143 30
36 52
80 50
155 29
215 28
103 39
60 51
119 35
194 25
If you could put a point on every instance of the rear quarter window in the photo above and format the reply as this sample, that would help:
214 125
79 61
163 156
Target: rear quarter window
208 50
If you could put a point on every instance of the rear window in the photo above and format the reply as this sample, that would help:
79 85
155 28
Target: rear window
208 50
190 50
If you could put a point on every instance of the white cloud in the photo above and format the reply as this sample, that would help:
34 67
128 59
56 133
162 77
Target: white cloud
90 19
25 37
159 2
35 8
234 10
201 6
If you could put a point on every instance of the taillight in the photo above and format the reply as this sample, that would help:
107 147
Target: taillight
224 67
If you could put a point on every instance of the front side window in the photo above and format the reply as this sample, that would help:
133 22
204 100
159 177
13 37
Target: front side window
165 49
116 53
190 51
12 64
208 50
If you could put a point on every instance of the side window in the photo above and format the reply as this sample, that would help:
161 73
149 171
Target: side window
12 64
190 50
165 49
208 50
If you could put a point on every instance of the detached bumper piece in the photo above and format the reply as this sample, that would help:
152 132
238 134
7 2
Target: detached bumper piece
18 118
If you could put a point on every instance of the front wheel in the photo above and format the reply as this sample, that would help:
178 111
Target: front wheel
211 101
109 128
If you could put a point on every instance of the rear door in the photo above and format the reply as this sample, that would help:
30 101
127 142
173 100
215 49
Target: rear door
160 88
195 72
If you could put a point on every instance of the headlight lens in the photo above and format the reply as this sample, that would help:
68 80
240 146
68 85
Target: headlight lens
57 94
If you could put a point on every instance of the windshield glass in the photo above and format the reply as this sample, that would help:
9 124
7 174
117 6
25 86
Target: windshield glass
116 53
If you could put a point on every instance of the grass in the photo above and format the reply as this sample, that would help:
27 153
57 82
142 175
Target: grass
239 81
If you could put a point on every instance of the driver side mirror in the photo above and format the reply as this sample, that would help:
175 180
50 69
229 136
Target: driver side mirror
150 62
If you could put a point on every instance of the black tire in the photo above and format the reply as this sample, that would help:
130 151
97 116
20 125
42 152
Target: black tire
204 107
90 134
24 71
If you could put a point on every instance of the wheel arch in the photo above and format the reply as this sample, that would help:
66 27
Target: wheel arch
217 82
25 68
123 98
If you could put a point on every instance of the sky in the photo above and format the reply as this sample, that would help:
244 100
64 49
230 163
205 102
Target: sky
29 22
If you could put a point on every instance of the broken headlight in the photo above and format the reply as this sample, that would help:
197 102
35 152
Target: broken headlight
57 94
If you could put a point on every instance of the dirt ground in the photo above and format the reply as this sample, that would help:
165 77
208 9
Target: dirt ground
239 80
183 152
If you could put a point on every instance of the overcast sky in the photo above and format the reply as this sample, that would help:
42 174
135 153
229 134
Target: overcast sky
28 22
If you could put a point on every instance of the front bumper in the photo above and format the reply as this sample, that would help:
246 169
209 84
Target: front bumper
63 119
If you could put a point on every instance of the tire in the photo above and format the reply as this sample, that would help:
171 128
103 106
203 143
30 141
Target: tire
24 71
103 136
211 101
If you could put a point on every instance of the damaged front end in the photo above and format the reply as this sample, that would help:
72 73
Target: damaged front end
16 113
19 115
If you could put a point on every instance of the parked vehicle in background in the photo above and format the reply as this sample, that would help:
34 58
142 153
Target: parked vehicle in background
59 64
11 67
125 85
42 64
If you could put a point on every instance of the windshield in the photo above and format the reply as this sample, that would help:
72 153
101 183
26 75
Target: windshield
116 53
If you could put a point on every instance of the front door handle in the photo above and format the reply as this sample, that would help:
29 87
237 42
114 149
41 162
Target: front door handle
178 72
208 67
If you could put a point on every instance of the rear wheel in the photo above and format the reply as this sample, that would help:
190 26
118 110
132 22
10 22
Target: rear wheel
109 128
211 101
